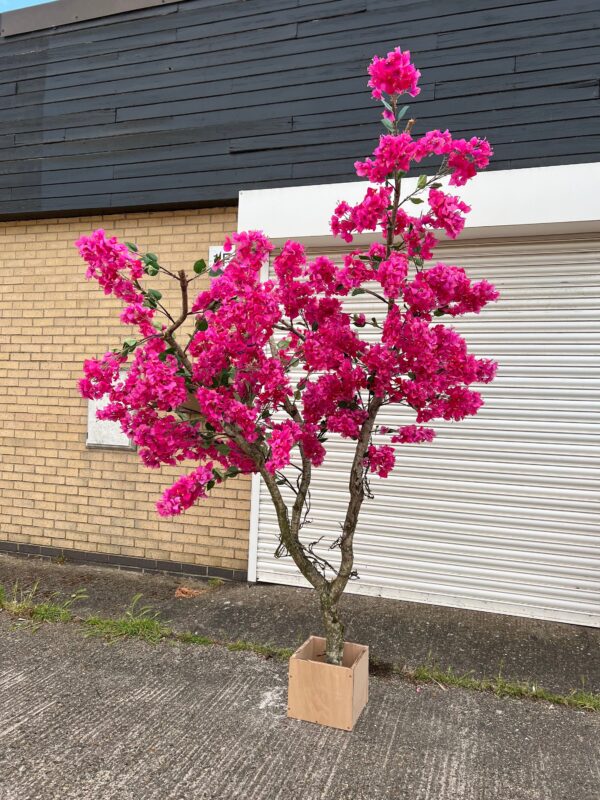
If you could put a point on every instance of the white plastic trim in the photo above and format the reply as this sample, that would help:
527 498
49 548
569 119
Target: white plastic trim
507 202
253 535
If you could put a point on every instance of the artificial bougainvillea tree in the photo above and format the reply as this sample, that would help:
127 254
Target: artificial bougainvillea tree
254 376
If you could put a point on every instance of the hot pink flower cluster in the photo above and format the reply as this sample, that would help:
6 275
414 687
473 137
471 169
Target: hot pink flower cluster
111 263
381 460
185 491
271 369
396 152
371 213
394 74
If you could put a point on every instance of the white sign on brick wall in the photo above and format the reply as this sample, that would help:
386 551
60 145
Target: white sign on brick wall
104 433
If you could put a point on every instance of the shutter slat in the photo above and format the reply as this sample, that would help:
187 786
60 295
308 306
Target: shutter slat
502 511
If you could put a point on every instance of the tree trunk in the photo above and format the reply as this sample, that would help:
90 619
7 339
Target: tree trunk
334 629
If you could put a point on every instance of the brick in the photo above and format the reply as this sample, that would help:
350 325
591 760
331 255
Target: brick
54 492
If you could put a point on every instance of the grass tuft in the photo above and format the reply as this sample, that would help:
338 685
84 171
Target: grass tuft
140 622
193 638
499 686
21 603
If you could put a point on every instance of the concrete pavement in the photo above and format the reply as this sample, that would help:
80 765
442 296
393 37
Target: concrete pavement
81 719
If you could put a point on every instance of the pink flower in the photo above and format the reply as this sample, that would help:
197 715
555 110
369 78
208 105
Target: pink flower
393 154
393 74
392 274
252 248
137 314
447 288
100 375
281 441
313 448
185 491
365 216
112 265
447 211
413 434
381 460
467 157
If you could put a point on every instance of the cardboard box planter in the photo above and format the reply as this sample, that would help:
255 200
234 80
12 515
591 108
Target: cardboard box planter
326 693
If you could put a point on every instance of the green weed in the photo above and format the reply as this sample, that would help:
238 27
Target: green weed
21 603
193 638
139 621
501 687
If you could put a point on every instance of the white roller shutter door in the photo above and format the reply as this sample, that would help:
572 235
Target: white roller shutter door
501 512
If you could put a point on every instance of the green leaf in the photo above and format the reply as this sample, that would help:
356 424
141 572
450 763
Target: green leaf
422 182
200 266
225 376
283 344
151 270
223 448
232 472
402 112
356 292
435 185
214 273
155 294
201 324
416 200
132 247
131 342
165 354
387 124
386 104
151 256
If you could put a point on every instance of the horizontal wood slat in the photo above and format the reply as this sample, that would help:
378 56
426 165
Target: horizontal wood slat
186 103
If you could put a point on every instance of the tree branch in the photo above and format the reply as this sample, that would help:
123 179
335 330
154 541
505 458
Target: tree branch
357 494
168 334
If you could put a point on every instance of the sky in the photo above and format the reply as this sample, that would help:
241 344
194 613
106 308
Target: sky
10 5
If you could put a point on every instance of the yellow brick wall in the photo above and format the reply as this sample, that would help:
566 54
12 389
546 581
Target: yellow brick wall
54 491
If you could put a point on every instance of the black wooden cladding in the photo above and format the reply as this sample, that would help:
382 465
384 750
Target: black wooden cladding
187 103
